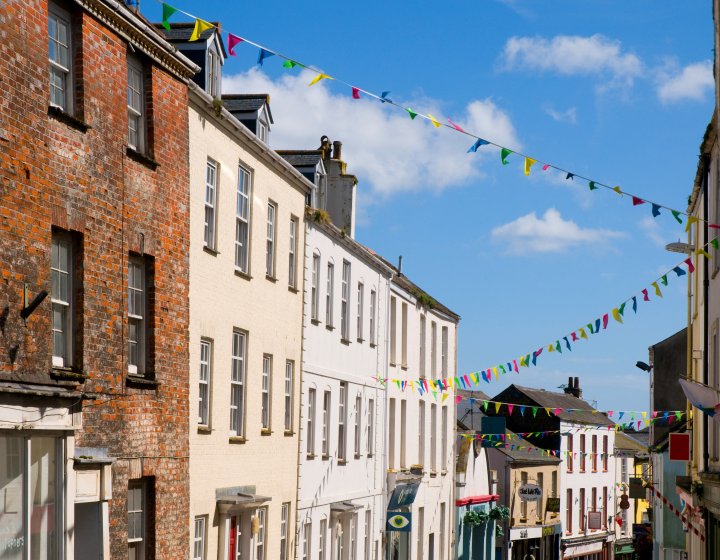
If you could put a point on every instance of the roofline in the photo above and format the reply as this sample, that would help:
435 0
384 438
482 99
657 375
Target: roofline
708 140
131 27
225 118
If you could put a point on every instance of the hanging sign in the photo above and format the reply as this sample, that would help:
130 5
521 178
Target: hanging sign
553 505
399 521
594 520
530 492
679 447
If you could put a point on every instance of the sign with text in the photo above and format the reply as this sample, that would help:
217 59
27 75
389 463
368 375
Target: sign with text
594 520
679 447
403 495
553 505
530 492
399 521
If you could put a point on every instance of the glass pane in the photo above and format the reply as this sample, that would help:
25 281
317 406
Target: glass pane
12 545
43 493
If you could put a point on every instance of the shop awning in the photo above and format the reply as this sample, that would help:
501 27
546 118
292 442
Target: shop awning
241 499
624 549
472 500
344 507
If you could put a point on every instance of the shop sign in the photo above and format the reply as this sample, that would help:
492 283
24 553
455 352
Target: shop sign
594 520
553 505
399 521
530 492
549 530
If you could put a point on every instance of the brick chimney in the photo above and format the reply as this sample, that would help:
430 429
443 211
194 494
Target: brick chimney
341 187
573 387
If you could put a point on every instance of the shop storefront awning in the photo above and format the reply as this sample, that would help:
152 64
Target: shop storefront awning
472 500
344 507
241 499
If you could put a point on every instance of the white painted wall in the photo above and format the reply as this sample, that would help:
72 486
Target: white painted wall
327 362
437 484
577 479
270 312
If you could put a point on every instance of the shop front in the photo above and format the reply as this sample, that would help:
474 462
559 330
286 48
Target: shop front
535 543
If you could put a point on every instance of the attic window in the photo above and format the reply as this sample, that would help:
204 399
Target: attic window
262 130
213 74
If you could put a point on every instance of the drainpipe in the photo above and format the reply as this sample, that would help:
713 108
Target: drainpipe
386 427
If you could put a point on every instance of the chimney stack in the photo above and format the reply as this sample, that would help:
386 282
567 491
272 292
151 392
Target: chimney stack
573 387
337 150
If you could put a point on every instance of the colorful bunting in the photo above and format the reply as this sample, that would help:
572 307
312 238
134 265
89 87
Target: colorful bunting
355 93
637 201
433 120
262 55
456 127
200 27
529 162
655 210
167 11
234 40
319 77
478 143
504 153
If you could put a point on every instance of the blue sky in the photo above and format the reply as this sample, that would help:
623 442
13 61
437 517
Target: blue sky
617 91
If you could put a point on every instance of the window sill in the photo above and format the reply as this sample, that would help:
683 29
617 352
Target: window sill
342 462
244 275
345 341
404 367
141 158
330 327
266 432
357 455
293 290
211 251
271 278
433 474
140 381
237 439
325 457
314 321
393 364
204 430
443 473
310 456
68 374
66 118
360 340
373 345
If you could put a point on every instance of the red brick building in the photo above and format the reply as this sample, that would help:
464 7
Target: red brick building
93 213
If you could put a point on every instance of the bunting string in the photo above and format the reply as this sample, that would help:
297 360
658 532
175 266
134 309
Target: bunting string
698 531
356 91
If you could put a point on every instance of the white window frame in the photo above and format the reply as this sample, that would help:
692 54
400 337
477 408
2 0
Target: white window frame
345 302
314 288
423 337
371 427
289 394
263 130
360 307
353 536
63 72
444 352
433 349
284 524
393 330
266 393
205 382
421 432
62 304
139 543
261 514
358 425
292 253
330 294
312 403
373 304
137 314
200 538
443 523
444 438
243 210
212 172
213 73
327 410
391 434
238 389
271 235
404 335
368 533
342 422
307 540
433 437
136 107
322 543
403 433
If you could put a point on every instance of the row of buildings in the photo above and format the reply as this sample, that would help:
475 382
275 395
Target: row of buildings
191 337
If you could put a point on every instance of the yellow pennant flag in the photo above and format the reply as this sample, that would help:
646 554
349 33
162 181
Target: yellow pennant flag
474 377
703 252
522 361
529 162
412 386
495 372
644 415
319 77
200 26
449 382
445 396
617 190
657 289
691 220
551 348
433 120
616 315
497 407
583 334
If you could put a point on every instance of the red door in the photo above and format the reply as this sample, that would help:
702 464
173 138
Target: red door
232 540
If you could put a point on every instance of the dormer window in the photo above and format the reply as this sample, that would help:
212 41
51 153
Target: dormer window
262 131
321 183
213 82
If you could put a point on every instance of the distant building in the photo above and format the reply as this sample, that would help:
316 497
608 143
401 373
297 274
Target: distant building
627 450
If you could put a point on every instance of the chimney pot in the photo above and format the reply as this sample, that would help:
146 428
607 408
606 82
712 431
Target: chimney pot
337 149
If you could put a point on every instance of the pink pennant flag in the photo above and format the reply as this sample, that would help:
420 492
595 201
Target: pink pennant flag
646 297
458 398
691 267
233 40
714 226
558 411
515 366
654 414
546 167
605 321
637 201
456 127
574 336
355 93
510 408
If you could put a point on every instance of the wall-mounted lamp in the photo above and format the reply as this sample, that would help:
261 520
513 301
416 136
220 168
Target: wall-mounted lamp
643 366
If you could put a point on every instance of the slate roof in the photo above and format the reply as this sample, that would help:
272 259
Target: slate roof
583 413
181 32
626 442
301 158
523 455
469 415
245 103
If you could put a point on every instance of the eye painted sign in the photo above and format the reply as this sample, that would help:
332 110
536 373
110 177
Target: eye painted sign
399 521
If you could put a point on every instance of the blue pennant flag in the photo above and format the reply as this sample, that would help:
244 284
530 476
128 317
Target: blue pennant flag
384 97
597 326
634 304
679 271
569 176
478 143
655 210
263 55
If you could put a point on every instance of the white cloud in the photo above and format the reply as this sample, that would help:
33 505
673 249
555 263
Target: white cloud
572 55
548 234
653 231
567 116
692 82
381 144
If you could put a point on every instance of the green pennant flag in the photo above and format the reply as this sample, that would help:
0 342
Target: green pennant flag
485 406
412 113
558 347
534 409
592 185
504 153
290 64
714 243
664 279
621 309
676 214
168 11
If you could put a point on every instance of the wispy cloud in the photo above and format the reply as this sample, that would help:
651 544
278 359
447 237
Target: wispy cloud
383 146
693 82
548 234
566 116
573 55
652 230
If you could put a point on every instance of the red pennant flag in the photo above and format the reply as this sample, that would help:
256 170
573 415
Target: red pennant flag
545 167
574 336
516 366
691 267
714 226
646 297
232 41
637 201
355 93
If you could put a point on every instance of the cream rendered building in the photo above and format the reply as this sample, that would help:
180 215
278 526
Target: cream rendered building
246 270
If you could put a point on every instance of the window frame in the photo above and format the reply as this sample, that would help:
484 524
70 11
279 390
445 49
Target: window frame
54 66
421 432
266 393
582 453
433 437
315 288
238 383
306 548
433 349
342 421
312 403
327 411
444 351
259 545
292 253
207 364
212 175
423 337
139 114
393 331
138 542
358 425
270 240
345 301
284 525
371 427
202 539
443 437
368 532
569 448
360 306
139 264
403 433
243 217
67 305
330 294
404 335
289 395
373 319
213 67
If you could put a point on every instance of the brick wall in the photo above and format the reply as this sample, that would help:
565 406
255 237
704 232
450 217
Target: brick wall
54 173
